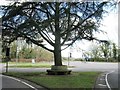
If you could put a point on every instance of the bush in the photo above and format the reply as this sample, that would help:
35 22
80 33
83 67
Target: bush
98 59
103 59
112 60
65 58
37 53
78 59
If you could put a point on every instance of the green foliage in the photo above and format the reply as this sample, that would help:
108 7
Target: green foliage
75 21
69 21
104 52
114 51
42 53
65 58
98 59
26 53
95 53
13 50
105 49
119 55
79 59
36 53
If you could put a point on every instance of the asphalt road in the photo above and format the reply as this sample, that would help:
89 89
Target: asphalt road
78 66
108 81
113 79
9 83
12 83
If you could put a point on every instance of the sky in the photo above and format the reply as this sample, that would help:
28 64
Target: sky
109 25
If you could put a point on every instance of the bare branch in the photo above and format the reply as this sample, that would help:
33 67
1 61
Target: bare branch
41 33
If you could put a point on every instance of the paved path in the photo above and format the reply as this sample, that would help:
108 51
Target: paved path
11 83
101 82
108 81
18 84
113 79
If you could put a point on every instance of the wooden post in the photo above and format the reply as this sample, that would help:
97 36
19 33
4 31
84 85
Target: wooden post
7 58
6 66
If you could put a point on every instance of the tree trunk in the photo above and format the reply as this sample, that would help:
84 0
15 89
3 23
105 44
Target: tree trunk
57 46
57 55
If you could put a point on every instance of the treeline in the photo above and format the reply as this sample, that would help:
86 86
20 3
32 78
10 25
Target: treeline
104 52
107 52
28 52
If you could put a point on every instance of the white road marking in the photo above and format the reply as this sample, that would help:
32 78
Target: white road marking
103 75
21 82
107 80
102 79
102 85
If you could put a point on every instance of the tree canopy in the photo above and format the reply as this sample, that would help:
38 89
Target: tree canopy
57 23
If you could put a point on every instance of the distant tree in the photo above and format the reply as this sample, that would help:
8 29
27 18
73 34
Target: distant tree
60 24
13 50
26 53
105 48
95 52
114 51
118 54
41 53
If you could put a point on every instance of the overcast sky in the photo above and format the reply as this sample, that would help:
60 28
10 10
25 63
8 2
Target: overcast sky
110 26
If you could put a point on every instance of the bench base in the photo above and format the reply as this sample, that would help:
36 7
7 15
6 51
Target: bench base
58 72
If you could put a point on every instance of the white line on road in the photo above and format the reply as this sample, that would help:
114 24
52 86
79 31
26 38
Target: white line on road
21 82
102 85
106 79
103 75
102 79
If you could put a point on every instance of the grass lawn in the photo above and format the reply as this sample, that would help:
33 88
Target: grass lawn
75 80
28 65
31 65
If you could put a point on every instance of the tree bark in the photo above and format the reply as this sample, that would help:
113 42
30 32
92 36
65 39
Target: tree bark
57 55
57 46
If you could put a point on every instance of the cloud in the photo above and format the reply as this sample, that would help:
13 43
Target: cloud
110 26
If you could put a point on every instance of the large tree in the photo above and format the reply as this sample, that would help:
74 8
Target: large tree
60 24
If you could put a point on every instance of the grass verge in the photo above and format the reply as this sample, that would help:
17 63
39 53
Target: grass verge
75 80
31 65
